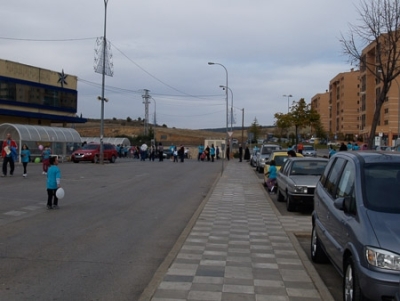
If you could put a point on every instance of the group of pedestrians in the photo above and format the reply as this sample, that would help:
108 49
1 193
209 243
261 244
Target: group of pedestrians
349 147
208 153
9 153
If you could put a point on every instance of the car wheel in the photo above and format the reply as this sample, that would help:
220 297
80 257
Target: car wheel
351 285
112 160
257 168
280 196
317 253
290 207
76 161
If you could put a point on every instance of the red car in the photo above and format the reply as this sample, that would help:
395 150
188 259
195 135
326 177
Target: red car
91 152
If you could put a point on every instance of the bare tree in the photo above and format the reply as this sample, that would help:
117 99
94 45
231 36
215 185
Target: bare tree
379 27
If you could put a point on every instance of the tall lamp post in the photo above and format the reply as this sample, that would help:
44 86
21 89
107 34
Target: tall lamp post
226 98
230 141
102 85
288 96
224 87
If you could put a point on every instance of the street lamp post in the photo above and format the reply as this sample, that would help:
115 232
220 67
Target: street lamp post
230 143
223 87
102 85
226 99
288 96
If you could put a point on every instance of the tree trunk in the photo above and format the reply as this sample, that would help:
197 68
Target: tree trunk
377 114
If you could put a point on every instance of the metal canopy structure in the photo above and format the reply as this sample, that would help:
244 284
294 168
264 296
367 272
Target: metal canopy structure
36 136
114 141
23 132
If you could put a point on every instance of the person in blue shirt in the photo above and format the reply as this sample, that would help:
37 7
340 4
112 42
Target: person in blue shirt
201 150
212 152
349 146
271 181
355 147
25 158
53 183
332 151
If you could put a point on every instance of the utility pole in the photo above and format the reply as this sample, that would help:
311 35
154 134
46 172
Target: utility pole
146 102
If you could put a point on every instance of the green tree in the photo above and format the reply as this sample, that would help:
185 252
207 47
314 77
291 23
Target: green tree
300 116
255 129
283 123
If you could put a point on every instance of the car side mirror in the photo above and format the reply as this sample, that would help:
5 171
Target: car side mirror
344 203
339 203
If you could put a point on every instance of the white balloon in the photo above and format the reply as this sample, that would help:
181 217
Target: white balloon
60 193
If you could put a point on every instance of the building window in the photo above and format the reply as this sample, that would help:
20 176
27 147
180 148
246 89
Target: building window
34 94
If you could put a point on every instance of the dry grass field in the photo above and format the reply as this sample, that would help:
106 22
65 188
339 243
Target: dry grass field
114 128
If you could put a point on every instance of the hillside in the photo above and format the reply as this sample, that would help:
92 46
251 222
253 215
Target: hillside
114 128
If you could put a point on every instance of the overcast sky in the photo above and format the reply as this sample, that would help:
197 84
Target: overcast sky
270 48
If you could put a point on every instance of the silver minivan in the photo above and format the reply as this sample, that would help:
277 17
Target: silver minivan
356 223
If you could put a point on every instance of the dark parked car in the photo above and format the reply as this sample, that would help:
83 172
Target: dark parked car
297 180
356 223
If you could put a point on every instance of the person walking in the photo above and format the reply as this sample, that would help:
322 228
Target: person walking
46 160
181 153
200 149
25 158
212 152
8 152
152 153
300 148
342 147
217 152
53 183
175 154
207 151
247 154
228 152
240 152
332 151
160 152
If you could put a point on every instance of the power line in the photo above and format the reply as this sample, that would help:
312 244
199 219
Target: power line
47 40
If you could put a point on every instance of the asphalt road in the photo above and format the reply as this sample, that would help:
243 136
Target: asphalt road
115 226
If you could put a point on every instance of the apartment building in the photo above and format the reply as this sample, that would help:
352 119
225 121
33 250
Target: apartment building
320 103
343 105
370 87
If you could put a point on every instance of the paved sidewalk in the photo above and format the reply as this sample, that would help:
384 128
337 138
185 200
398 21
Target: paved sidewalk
241 248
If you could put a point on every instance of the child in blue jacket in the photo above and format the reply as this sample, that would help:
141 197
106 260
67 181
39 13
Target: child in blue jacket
53 183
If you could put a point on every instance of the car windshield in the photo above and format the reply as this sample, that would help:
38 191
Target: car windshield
382 187
268 150
308 148
279 160
308 168
90 146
